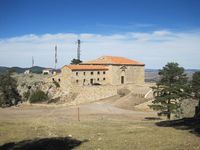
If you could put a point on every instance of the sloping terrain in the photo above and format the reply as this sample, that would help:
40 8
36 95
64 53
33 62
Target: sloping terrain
128 100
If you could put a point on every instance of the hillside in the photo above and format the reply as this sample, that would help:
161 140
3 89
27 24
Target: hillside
35 69
151 75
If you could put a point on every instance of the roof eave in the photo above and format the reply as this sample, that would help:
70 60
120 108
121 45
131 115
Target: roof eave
112 64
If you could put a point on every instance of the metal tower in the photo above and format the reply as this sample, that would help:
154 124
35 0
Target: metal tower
32 61
56 60
79 49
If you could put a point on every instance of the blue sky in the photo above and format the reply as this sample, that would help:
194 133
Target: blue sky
141 26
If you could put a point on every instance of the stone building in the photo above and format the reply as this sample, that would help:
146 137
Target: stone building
106 70
47 71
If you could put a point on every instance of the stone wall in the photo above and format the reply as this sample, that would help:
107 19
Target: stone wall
86 94
132 74
82 78
93 93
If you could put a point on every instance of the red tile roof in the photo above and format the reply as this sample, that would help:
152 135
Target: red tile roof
113 60
87 67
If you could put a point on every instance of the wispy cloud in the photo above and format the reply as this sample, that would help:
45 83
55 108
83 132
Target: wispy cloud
131 26
154 48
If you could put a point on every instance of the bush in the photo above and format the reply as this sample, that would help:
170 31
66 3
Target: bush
26 95
56 83
31 76
123 92
38 96
8 90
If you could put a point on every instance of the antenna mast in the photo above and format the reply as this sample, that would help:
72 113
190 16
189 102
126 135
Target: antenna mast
56 60
32 61
79 49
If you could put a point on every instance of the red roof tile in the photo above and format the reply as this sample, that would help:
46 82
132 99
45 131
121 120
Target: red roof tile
113 60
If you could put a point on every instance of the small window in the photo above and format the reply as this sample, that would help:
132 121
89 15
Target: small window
92 73
53 79
76 81
77 73
59 80
104 78
83 73
97 79
84 80
98 72
104 72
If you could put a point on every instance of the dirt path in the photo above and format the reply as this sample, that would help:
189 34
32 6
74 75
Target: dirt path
104 108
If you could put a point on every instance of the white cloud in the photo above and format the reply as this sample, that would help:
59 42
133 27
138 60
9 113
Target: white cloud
155 49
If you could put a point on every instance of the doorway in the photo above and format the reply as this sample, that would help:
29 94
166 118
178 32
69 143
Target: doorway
91 81
122 79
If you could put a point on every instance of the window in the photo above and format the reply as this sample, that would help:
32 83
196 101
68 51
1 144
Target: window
77 73
76 81
91 73
98 72
53 79
91 81
104 72
104 78
83 73
97 79
84 80
59 80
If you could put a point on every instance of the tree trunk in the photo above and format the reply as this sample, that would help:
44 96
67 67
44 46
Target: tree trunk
168 111
197 111
168 116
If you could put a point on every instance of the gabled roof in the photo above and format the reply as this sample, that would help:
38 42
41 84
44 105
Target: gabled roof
113 60
87 67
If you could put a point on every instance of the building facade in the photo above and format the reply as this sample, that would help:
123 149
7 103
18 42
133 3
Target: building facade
106 70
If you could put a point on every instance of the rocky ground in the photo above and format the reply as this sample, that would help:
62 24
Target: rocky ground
32 82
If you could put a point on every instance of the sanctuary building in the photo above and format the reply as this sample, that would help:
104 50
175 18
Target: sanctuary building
106 70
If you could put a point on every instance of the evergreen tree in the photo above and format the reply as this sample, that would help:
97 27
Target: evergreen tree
196 91
8 90
76 61
170 90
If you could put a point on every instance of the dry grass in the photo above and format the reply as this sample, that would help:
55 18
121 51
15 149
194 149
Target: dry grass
101 131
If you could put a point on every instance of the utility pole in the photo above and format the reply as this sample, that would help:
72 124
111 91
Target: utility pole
79 49
56 60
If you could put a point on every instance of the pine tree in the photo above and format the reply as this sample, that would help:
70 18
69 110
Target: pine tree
76 61
170 90
196 91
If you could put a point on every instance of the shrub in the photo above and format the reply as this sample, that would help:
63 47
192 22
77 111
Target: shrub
26 95
38 96
8 90
23 84
56 83
123 92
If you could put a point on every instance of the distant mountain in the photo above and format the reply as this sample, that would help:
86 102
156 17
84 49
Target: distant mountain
151 75
3 69
17 69
35 69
